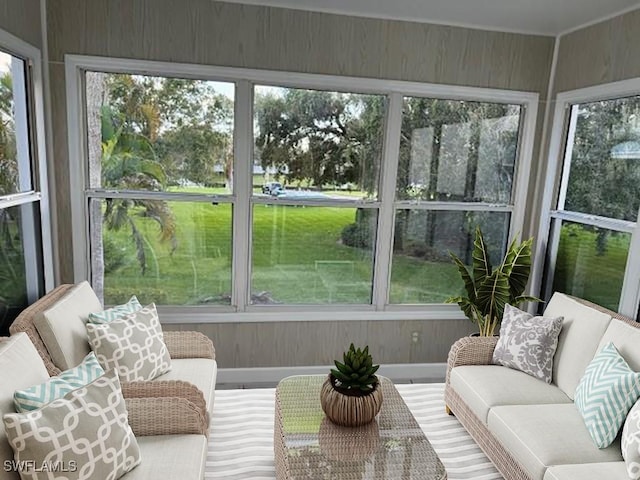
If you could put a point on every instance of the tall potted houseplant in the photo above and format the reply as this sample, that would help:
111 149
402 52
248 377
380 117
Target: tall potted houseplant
488 288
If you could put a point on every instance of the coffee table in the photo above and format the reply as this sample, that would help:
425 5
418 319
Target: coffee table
308 445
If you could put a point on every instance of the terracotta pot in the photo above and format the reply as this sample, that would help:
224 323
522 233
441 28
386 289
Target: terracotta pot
349 410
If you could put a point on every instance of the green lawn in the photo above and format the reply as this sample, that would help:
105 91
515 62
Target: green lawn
587 272
297 258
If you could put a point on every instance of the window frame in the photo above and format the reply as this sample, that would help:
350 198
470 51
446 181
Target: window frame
554 193
38 195
245 79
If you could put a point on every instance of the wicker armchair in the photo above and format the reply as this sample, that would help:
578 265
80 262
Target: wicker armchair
179 406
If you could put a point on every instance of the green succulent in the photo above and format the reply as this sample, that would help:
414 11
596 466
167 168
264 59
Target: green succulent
357 372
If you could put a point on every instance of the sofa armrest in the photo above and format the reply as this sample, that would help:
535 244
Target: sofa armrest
166 416
165 388
471 351
189 345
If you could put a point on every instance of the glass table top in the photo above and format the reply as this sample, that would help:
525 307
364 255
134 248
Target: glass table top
308 445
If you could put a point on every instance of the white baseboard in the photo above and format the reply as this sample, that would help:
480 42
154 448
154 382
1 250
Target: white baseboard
398 372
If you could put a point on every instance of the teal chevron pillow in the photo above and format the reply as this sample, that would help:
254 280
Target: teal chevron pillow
57 387
606 392
119 311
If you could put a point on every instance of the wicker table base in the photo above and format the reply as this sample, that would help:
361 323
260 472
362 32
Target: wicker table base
308 445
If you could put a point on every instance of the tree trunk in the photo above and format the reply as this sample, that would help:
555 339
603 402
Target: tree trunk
95 82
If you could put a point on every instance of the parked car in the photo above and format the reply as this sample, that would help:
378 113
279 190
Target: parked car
271 188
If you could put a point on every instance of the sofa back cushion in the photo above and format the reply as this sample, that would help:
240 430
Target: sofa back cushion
626 338
20 368
62 326
582 330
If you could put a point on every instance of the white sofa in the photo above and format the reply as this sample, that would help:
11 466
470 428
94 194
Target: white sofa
532 430
169 449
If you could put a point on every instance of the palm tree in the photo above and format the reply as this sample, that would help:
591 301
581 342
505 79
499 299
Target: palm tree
129 163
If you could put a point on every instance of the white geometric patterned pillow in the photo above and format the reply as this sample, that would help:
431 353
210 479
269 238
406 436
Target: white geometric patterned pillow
606 392
106 316
631 442
57 387
527 343
132 345
85 433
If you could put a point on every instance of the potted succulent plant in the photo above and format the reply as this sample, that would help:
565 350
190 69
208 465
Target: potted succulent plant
351 395
488 288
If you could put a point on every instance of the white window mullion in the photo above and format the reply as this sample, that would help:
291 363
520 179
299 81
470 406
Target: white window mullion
242 189
389 171
630 295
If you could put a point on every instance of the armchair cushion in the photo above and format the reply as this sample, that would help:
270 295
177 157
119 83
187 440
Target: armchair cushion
62 326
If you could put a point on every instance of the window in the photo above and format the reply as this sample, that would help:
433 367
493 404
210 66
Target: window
232 190
456 171
313 239
25 262
160 153
597 205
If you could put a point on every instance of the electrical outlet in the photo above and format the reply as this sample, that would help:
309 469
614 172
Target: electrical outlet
415 337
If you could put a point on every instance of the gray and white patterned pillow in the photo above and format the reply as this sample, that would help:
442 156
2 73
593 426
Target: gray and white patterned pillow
631 442
84 435
527 343
132 345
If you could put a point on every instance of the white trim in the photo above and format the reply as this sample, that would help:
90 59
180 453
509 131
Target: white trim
566 158
397 372
452 206
19 47
595 220
386 214
555 152
598 20
77 174
523 166
607 91
299 80
307 313
242 188
164 195
19 199
630 295
329 202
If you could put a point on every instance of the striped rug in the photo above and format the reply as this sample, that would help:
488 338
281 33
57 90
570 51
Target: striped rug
241 438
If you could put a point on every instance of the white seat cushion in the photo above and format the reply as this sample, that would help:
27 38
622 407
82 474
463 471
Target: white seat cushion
582 329
20 367
544 435
62 326
587 471
170 456
201 372
485 386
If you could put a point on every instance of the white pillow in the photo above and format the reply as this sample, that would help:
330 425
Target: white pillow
132 345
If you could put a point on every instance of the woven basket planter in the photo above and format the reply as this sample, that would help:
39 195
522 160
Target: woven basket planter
349 410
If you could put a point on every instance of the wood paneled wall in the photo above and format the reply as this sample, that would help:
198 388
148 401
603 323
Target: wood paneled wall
224 34
22 19
602 53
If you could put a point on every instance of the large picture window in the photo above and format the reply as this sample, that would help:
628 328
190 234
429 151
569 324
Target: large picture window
597 204
230 190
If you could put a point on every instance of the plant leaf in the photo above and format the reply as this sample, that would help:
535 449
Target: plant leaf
493 294
517 266
481 264
466 278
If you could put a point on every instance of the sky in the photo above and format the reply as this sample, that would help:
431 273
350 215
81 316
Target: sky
5 62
